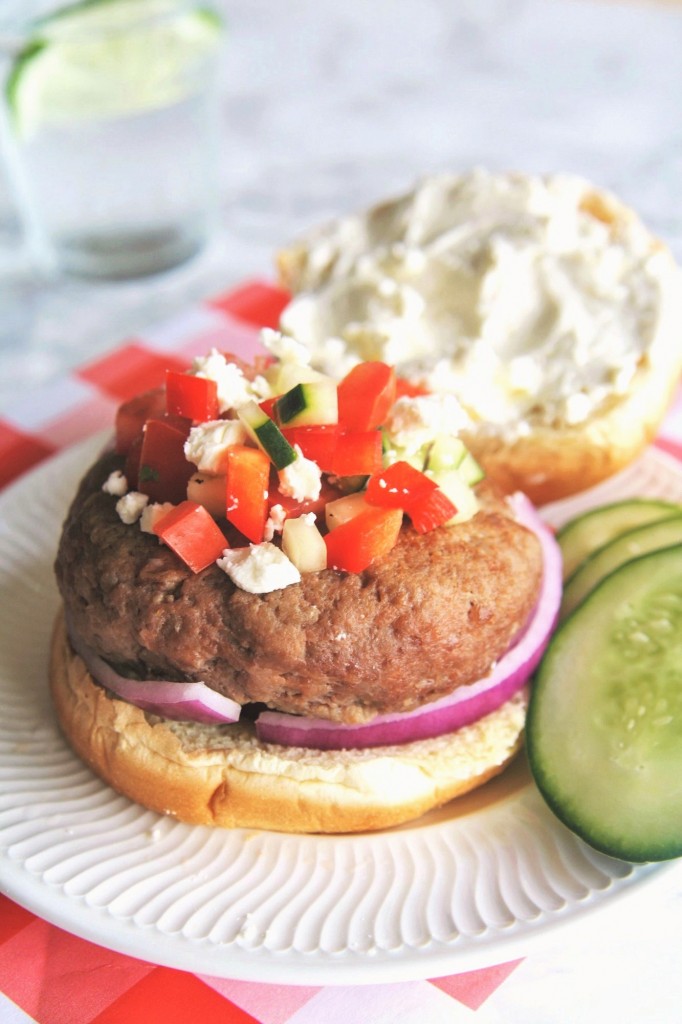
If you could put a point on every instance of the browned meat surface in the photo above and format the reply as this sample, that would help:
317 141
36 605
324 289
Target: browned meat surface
433 615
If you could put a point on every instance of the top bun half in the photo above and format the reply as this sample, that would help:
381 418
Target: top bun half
543 303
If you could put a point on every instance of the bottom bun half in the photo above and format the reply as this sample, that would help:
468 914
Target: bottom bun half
224 776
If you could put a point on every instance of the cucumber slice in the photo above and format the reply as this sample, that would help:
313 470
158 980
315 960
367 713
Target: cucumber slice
604 726
590 531
91 60
309 404
266 435
611 556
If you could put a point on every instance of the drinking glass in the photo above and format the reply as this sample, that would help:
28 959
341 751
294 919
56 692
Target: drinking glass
110 131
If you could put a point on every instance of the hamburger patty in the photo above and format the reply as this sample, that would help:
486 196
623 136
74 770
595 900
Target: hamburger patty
434 614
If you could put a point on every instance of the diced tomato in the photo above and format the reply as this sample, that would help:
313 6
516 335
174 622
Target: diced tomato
164 471
268 407
132 415
398 486
248 474
132 464
191 532
317 443
354 545
357 453
406 389
431 510
195 398
365 395
402 486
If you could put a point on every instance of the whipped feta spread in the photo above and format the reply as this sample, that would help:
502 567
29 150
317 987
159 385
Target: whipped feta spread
413 422
534 300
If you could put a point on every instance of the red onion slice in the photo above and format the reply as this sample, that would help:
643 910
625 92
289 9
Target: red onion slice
184 702
468 703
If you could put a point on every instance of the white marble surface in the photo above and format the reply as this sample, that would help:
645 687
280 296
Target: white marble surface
329 106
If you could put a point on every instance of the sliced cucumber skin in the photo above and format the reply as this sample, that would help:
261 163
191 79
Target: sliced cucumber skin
312 403
291 405
661 533
609 770
267 435
589 531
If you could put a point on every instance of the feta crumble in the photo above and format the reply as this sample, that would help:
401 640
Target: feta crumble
284 347
131 506
413 422
301 479
275 522
151 514
234 388
115 484
259 569
208 442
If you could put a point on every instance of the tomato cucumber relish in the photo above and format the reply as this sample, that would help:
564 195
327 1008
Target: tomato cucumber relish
312 472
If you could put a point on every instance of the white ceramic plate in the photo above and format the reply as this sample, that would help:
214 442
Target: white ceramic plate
472 884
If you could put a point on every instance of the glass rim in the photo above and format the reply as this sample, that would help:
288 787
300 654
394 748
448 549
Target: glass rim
24 27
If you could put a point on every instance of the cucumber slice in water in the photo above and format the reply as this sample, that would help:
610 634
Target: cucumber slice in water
590 531
604 727
109 58
611 556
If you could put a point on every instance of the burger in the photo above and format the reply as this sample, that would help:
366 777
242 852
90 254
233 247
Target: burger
296 603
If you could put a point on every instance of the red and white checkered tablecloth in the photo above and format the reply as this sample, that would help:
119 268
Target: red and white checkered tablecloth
49 976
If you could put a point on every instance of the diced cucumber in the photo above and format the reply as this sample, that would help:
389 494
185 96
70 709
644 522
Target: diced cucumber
590 531
309 404
267 435
447 452
304 545
459 493
209 491
284 376
394 453
606 559
343 509
604 727
469 470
